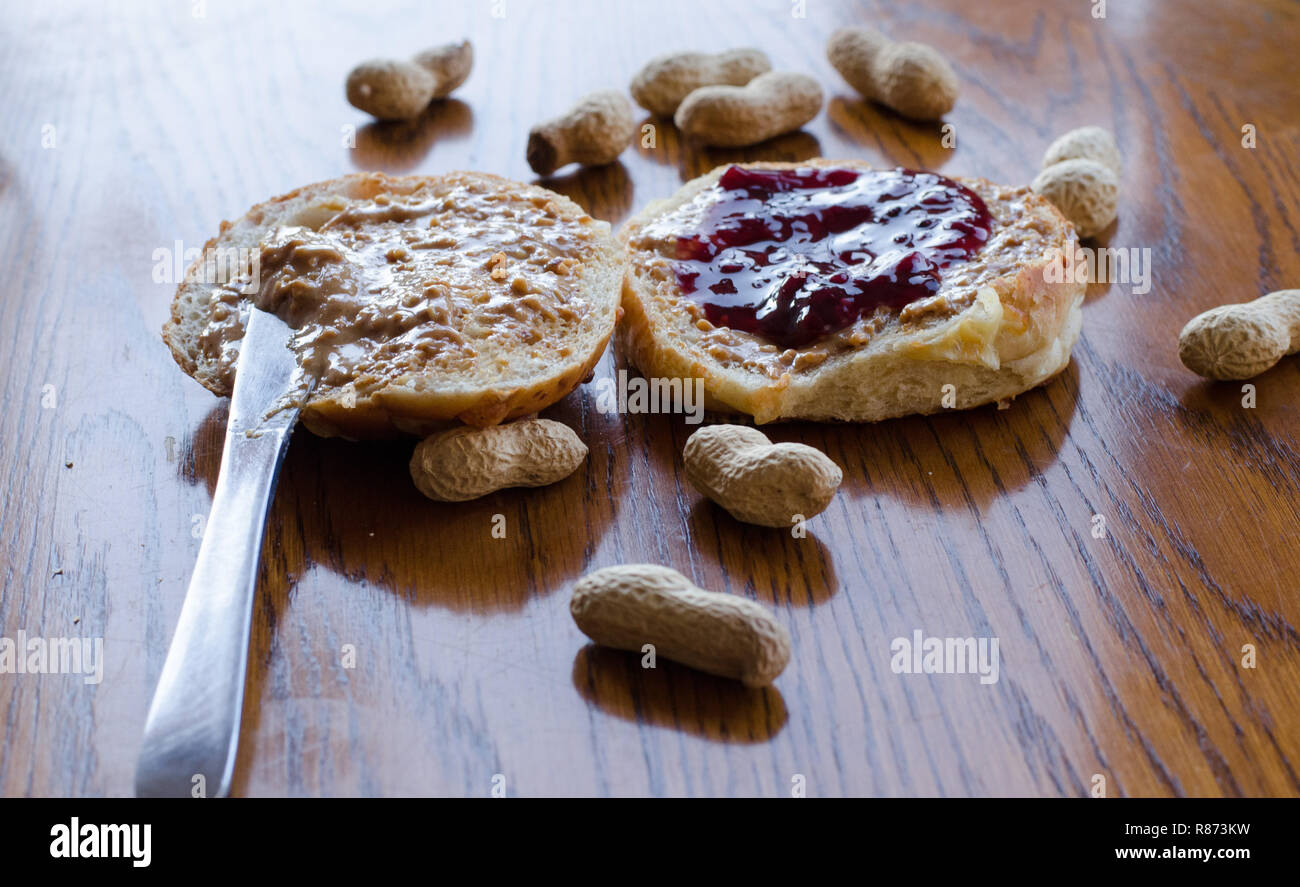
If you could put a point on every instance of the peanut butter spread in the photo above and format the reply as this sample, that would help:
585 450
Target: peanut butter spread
1019 234
438 280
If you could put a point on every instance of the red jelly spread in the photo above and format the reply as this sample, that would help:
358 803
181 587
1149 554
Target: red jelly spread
792 255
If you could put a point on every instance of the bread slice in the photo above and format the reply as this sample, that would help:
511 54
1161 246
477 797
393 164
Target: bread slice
423 301
999 325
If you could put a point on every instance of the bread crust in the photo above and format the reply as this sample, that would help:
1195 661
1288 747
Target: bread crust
1016 334
418 402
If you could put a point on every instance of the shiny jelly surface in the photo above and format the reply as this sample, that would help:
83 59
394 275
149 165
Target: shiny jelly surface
795 254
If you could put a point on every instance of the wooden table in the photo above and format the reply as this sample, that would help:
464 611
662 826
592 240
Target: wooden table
126 130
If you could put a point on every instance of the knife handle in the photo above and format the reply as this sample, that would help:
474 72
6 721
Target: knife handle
193 724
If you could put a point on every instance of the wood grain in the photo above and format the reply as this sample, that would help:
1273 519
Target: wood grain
1120 655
